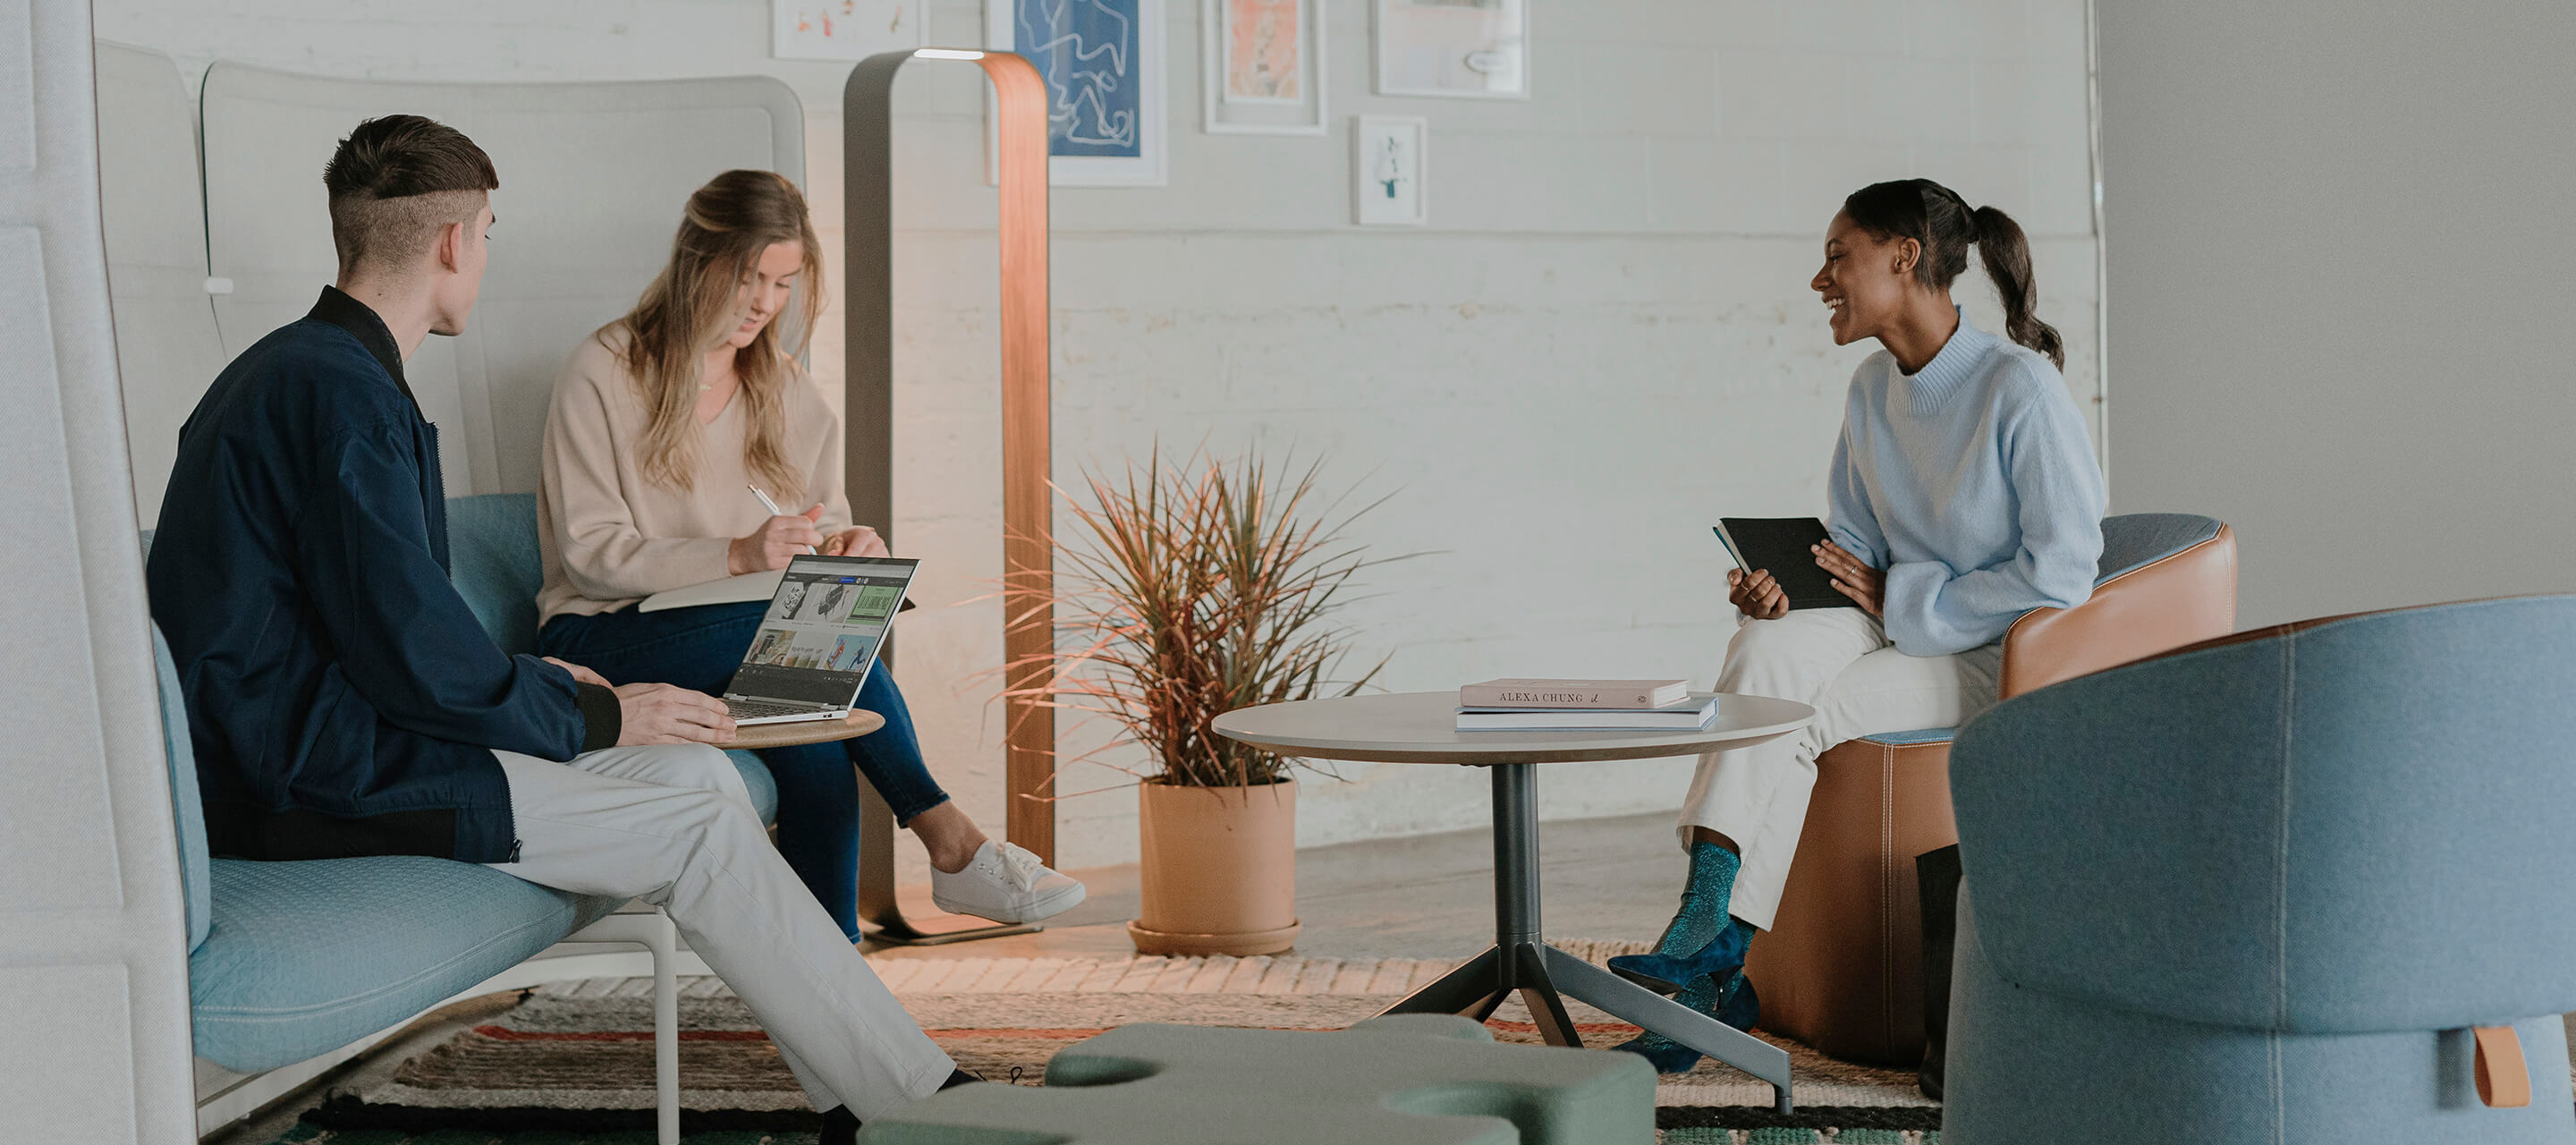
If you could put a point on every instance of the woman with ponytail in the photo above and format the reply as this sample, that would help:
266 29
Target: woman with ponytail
1963 493
660 418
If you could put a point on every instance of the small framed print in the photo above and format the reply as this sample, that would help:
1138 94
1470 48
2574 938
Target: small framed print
1264 61
844 29
1103 65
1476 49
1390 170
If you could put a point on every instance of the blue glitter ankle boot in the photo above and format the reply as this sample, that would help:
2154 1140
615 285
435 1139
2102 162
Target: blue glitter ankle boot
1702 939
1664 973
1735 1004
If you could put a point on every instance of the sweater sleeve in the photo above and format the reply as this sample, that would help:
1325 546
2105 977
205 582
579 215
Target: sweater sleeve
605 555
1851 520
2049 463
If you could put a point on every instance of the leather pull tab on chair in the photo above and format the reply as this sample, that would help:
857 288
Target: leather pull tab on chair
2503 1081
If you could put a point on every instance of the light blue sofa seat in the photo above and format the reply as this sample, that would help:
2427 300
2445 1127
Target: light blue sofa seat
304 958
290 961
2257 890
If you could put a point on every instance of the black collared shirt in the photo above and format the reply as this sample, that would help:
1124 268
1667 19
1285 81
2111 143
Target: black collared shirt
368 327
342 698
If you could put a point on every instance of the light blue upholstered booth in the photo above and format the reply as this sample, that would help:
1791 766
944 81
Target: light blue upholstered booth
293 960
2255 890
1841 969
205 259
494 562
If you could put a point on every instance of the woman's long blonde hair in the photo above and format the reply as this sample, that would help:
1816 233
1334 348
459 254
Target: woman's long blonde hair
689 310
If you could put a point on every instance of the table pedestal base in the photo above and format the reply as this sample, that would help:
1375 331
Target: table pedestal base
1520 961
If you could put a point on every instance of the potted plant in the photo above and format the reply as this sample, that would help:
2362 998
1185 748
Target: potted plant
1191 591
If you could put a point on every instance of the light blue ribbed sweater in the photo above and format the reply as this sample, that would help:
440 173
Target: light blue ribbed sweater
1973 485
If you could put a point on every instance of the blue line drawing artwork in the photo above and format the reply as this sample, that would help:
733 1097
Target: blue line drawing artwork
1088 52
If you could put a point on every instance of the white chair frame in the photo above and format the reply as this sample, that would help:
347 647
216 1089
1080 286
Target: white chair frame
651 944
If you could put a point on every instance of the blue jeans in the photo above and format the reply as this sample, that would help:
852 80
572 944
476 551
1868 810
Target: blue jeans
818 795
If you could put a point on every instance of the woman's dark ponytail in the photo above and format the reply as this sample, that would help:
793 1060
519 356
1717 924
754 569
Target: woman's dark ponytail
1938 218
2007 257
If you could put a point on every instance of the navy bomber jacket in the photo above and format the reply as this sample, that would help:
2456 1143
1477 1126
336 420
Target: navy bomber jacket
342 698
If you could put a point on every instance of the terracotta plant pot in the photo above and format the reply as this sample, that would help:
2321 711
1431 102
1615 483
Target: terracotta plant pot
1220 869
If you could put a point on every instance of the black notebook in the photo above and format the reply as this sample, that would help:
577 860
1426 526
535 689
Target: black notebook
1783 546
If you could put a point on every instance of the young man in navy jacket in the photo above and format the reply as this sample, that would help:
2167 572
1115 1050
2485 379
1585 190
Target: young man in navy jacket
344 701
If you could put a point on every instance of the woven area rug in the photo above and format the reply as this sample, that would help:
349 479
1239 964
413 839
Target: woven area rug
573 1061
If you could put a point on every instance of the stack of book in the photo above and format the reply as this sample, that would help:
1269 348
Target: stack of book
1527 705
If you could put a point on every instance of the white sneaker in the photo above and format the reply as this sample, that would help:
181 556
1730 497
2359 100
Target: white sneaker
1007 884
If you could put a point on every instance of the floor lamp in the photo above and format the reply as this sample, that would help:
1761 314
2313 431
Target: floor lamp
1028 565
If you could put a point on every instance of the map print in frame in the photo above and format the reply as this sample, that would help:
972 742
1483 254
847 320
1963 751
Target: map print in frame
1104 69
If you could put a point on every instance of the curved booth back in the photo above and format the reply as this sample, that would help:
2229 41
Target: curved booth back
494 561
593 180
2352 826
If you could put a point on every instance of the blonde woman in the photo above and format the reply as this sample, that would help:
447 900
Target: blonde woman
660 418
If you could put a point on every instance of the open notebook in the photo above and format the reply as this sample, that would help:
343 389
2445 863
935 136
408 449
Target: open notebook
759 586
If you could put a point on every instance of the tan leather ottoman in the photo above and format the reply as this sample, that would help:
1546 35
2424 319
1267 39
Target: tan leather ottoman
1841 969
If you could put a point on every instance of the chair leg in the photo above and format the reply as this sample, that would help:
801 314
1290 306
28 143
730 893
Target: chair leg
653 931
665 945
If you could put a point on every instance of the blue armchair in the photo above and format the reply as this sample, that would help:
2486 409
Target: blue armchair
2307 883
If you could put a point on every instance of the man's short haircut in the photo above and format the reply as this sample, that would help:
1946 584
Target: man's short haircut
395 181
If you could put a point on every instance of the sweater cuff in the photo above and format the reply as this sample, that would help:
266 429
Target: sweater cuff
1912 604
708 559
602 719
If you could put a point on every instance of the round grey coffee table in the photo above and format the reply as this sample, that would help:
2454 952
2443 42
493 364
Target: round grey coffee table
1421 727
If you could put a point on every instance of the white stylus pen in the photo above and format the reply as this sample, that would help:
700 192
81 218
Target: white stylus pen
770 505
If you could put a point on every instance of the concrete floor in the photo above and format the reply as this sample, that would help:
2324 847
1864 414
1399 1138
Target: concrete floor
1429 896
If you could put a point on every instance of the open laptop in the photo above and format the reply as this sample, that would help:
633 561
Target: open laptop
819 639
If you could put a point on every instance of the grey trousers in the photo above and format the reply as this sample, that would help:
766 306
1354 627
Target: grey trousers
673 826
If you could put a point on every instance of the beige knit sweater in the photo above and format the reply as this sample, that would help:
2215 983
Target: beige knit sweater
612 536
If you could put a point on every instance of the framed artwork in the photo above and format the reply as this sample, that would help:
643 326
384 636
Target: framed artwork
844 29
1264 65
1104 67
1464 48
1390 183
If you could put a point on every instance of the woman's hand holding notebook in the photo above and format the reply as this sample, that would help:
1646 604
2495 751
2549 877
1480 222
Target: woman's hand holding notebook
1784 547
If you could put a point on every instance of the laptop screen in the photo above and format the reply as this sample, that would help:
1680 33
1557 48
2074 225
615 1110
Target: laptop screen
822 630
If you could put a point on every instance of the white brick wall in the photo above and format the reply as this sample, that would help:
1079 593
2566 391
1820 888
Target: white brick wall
1603 340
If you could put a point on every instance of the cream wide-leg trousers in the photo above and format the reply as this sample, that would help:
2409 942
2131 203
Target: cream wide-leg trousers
675 827
1838 660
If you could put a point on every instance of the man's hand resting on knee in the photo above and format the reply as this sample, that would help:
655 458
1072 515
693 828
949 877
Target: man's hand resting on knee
660 713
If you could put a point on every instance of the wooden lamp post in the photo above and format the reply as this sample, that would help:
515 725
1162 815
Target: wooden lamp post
1028 565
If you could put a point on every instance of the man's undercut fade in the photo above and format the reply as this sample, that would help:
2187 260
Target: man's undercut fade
395 182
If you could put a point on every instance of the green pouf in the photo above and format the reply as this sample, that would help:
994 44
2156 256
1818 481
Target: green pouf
1424 1079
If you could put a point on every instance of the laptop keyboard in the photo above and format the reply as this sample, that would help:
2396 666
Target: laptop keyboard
757 710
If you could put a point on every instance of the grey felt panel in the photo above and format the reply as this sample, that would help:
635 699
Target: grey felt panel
92 922
593 180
